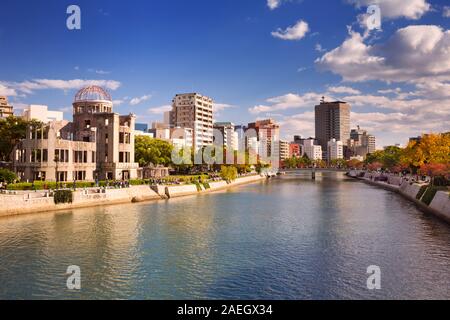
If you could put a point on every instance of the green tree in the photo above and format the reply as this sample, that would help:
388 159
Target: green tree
152 151
291 163
391 157
228 173
7 176
12 131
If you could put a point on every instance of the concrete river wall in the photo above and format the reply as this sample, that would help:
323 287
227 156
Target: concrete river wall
439 206
26 202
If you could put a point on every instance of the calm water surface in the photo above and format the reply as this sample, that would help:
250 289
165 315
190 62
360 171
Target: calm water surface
283 239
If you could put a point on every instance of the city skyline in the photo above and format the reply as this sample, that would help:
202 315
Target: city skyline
271 59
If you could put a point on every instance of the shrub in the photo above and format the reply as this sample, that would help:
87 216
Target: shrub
63 196
206 185
228 173
7 176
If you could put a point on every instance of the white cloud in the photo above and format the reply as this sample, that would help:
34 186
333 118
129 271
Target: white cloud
288 101
102 72
29 87
319 48
273 4
446 12
296 32
6 91
118 102
217 107
160 110
139 100
299 124
391 9
414 54
390 119
342 89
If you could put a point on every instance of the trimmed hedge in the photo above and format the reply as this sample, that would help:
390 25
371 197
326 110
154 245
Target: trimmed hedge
44 185
63 196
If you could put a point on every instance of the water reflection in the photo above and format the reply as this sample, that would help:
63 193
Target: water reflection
290 238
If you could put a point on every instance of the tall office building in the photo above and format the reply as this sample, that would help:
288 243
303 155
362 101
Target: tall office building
332 122
195 111
6 109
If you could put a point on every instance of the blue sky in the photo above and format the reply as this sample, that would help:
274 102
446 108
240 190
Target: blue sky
242 54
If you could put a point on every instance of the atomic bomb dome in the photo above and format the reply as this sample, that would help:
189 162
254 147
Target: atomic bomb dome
92 93
92 99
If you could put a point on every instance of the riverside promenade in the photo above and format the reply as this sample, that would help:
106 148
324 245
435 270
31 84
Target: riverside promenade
409 189
28 202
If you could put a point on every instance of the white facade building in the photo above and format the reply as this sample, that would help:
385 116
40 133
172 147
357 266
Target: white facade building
314 152
182 137
230 136
335 150
41 113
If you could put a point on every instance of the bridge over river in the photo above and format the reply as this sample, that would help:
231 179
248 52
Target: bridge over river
313 173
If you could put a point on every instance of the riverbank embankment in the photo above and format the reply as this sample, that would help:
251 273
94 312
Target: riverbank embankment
26 202
439 204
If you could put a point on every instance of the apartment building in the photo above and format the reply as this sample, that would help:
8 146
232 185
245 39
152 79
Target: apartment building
229 134
268 132
284 150
195 111
6 109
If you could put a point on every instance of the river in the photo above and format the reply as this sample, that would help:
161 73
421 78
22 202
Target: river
287 238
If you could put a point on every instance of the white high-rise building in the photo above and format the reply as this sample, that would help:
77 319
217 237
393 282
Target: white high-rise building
284 149
195 111
335 150
230 136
